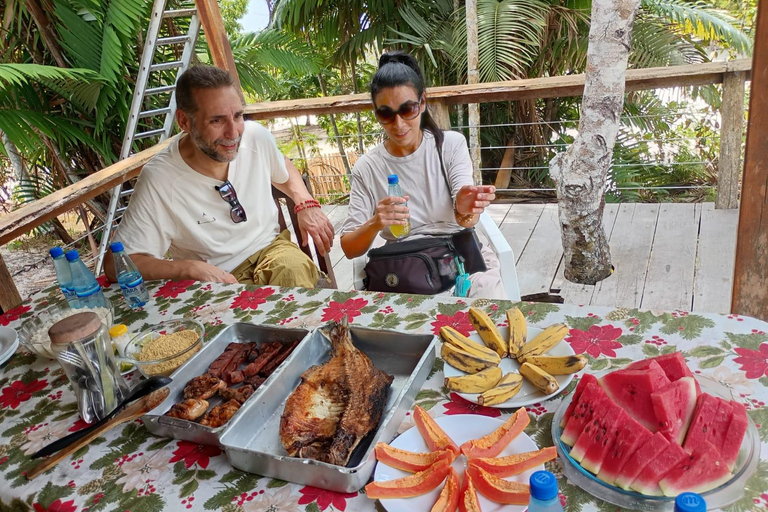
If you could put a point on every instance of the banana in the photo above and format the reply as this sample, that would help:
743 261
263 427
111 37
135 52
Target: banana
455 338
546 339
518 331
559 365
539 378
488 331
477 383
508 386
464 361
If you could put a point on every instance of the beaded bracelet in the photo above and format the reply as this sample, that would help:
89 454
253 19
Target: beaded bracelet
309 203
461 218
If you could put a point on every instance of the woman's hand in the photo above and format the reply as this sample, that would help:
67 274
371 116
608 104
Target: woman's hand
391 210
473 200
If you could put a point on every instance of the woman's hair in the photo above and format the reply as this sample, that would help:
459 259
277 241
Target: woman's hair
400 68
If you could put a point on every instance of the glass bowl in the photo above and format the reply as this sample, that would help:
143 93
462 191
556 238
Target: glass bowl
719 497
33 333
173 356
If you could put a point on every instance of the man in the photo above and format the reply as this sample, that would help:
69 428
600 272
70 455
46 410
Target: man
206 198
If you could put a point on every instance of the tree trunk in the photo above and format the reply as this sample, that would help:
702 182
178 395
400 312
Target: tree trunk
46 31
17 164
473 77
360 148
580 172
339 144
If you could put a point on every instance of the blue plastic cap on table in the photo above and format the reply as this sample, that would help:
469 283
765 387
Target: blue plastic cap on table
543 485
690 502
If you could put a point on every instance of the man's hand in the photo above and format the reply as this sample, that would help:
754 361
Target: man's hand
390 211
202 271
313 222
472 200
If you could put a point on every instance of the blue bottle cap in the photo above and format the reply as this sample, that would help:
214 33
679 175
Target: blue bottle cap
56 252
73 255
690 502
543 485
392 179
116 246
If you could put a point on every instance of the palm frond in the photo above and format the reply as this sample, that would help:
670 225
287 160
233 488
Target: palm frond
656 43
24 129
81 86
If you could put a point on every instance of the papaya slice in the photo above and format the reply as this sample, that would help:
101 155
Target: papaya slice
515 464
411 485
433 435
497 489
409 461
495 442
449 496
468 501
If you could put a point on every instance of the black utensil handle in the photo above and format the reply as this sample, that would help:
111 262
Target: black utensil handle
74 436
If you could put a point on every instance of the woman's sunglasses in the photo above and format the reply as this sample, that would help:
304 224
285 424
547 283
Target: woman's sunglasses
407 111
227 193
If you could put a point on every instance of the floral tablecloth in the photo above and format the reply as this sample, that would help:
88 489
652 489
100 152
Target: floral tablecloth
131 470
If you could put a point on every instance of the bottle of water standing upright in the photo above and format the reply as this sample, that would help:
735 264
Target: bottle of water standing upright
544 496
64 276
129 278
399 230
86 286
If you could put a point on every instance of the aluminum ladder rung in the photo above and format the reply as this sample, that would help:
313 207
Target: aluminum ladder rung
166 65
149 133
126 193
172 40
179 13
154 112
120 210
159 90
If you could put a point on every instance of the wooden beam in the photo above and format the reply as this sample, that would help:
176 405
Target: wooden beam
216 37
34 214
750 280
732 126
548 87
9 295
440 114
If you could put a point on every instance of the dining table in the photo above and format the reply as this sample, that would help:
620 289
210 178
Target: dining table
129 469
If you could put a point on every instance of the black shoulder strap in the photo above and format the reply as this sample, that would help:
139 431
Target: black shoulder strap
439 145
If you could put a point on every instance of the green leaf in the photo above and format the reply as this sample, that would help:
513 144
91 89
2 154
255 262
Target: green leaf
689 327
428 393
205 474
312 507
428 404
438 366
188 488
650 350
712 362
619 362
231 476
760 417
599 364
751 341
668 349
276 484
753 490
763 380
537 311
630 339
51 493
706 351
450 309
582 323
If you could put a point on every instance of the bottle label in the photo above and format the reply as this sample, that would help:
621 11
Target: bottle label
89 291
133 285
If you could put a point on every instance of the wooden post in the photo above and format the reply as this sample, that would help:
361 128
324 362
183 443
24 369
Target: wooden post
473 77
729 163
504 175
439 112
750 279
218 42
9 295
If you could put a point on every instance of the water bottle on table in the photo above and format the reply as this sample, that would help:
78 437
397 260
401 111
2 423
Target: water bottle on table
129 278
544 497
690 502
86 286
399 230
64 276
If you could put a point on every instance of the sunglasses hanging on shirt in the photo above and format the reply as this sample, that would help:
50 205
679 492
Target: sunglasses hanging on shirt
227 193
407 111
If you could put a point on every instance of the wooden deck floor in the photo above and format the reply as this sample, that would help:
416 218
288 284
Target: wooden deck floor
667 256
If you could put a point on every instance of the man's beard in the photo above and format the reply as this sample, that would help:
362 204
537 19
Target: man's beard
210 148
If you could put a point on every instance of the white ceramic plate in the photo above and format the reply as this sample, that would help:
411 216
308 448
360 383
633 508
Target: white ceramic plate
528 394
461 428
9 342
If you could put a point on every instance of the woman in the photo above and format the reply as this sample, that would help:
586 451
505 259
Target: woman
411 152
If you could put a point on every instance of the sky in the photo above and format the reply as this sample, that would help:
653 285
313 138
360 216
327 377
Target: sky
256 17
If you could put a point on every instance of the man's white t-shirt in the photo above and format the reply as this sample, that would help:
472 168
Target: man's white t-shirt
176 208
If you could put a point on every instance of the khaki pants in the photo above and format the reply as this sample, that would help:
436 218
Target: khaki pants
281 263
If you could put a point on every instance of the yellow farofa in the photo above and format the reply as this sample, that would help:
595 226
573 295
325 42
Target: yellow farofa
167 345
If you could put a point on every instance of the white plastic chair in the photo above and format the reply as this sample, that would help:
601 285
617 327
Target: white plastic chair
498 243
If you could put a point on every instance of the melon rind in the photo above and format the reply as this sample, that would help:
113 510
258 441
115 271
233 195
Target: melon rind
700 472
631 390
736 430
584 381
632 435
593 398
640 459
647 482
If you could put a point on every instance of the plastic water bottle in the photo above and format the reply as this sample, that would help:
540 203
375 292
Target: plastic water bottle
544 497
690 502
86 286
64 276
399 230
129 278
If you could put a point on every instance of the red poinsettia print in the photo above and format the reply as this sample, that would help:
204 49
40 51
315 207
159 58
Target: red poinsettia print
325 498
336 311
103 281
80 424
599 339
173 289
12 396
459 321
459 405
13 314
252 299
753 362
193 453
57 506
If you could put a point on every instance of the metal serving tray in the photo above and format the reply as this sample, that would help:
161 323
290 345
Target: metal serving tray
197 365
252 441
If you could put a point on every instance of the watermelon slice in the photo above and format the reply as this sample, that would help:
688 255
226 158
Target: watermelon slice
643 456
702 422
593 398
647 482
586 379
736 430
720 425
598 450
673 364
674 407
631 436
631 390
700 472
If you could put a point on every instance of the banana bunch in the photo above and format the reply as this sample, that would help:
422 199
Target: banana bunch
481 362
